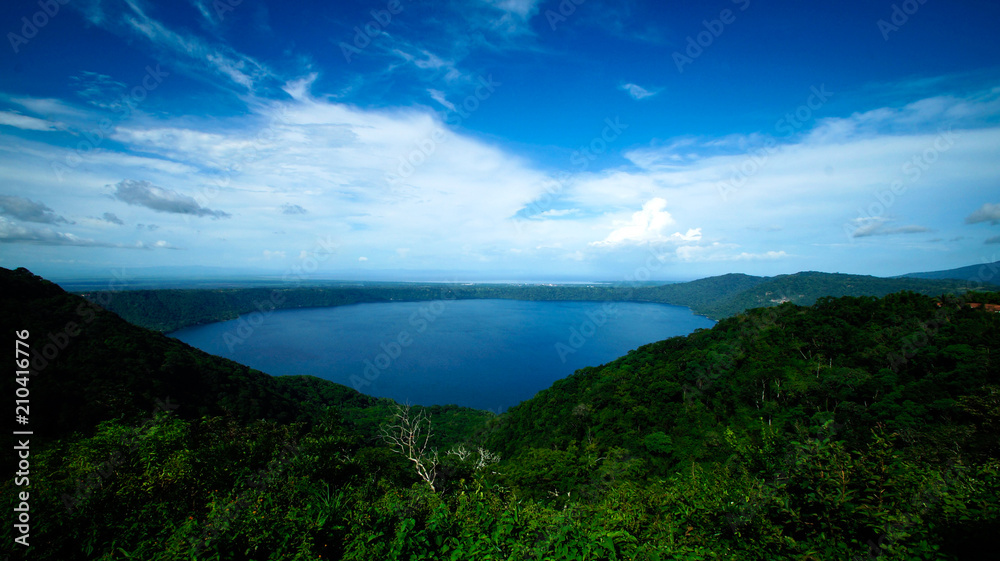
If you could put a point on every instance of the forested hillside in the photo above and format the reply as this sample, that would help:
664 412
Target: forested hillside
857 428
91 366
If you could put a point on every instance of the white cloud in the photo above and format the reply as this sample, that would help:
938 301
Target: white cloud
12 119
514 15
193 52
268 254
438 96
375 179
717 252
19 234
556 213
879 226
637 92
647 226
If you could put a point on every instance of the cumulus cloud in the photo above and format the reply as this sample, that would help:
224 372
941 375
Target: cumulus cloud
144 193
28 210
637 92
292 209
646 226
989 212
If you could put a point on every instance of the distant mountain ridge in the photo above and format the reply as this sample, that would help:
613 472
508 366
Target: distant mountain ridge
716 297
984 273
728 295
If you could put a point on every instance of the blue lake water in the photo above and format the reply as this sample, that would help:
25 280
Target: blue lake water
487 354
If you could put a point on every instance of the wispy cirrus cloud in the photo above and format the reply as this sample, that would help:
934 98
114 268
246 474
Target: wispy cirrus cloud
25 122
439 96
637 92
195 54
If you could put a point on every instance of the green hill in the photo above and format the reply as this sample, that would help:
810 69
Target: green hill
807 287
90 366
727 295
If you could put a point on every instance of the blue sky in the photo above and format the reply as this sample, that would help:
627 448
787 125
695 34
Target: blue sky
499 139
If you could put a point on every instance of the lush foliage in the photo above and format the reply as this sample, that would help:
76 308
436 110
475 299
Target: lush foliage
857 428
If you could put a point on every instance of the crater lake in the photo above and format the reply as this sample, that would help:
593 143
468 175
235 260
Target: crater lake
487 354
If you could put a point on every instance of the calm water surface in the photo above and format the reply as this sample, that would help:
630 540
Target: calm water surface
488 354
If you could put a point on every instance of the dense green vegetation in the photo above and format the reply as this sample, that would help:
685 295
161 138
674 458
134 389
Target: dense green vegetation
715 297
857 428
